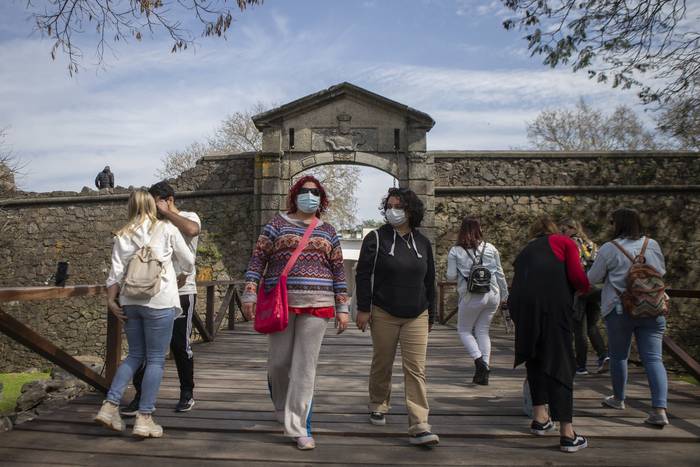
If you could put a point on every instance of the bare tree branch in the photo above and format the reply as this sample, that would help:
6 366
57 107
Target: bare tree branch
121 20
10 166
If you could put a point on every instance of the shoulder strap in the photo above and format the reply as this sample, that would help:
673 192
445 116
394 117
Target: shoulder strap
374 266
629 256
481 257
643 250
302 244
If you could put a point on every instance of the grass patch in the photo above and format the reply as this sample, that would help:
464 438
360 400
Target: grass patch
690 379
12 385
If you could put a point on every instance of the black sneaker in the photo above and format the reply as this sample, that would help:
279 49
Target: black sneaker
574 444
541 429
185 404
377 418
132 409
425 439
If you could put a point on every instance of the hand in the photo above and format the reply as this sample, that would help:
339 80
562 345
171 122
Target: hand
116 310
181 279
363 319
162 206
341 322
249 311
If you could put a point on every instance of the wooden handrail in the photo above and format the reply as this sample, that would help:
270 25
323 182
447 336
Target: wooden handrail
21 294
35 342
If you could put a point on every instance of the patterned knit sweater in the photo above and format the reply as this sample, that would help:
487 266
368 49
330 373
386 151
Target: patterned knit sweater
316 280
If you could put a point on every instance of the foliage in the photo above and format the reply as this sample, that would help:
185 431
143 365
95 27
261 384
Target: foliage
681 120
9 165
587 129
614 39
121 20
12 387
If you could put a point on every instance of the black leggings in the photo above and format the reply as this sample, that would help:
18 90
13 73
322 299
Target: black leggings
586 328
546 390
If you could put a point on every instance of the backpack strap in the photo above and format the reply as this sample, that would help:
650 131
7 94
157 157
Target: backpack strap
640 257
629 256
302 244
481 257
643 250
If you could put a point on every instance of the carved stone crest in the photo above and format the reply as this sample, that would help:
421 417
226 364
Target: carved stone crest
344 138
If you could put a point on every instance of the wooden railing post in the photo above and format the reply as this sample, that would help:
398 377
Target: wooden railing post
114 346
235 301
210 311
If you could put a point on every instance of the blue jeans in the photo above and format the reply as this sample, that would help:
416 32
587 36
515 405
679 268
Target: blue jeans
148 332
648 333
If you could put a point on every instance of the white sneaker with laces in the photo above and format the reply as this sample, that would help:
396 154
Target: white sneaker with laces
610 401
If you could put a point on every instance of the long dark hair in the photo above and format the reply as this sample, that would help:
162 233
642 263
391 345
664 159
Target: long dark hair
414 207
294 191
470 234
626 224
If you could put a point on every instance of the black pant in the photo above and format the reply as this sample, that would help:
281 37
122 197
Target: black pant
586 327
547 390
179 348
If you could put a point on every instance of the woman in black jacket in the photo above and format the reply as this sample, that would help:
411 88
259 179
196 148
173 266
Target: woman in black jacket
396 294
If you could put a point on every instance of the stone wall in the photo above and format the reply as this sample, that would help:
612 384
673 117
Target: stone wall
39 229
506 191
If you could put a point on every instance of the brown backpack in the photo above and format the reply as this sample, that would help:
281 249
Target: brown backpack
645 292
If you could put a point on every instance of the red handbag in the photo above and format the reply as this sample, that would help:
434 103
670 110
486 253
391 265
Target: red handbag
271 311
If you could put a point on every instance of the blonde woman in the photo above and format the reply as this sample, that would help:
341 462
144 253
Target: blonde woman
148 321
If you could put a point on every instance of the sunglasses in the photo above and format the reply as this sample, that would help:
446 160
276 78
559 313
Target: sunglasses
313 191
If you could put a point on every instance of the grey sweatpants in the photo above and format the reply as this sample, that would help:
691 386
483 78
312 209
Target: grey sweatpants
291 371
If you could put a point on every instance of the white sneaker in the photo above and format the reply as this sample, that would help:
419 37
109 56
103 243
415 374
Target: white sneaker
108 416
610 401
145 427
425 439
305 443
657 419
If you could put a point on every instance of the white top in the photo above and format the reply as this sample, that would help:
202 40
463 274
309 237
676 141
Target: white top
169 246
612 266
190 286
459 265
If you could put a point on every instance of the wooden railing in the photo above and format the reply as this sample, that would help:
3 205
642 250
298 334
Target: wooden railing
671 347
29 338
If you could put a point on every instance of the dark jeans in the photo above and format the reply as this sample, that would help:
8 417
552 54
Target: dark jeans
547 390
585 325
179 348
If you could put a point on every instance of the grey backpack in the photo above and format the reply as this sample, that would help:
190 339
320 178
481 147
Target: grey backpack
142 277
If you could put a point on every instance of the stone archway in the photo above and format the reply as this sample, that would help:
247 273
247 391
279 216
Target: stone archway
343 124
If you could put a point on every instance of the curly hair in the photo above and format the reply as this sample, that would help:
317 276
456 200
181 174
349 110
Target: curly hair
414 207
294 191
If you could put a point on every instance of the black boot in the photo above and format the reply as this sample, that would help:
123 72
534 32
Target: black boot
481 375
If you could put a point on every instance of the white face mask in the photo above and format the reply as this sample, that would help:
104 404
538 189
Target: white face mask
395 217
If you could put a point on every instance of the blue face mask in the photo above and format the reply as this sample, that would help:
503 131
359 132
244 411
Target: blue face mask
308 203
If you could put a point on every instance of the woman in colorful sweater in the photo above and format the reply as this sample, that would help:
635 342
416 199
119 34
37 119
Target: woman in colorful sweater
316 290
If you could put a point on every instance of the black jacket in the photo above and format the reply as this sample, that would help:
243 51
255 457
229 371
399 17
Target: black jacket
104 179
404 284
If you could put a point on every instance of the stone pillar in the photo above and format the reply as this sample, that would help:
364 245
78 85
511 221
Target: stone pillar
268 190
421 179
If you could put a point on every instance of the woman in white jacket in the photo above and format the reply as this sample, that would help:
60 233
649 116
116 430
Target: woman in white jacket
148 321
476 310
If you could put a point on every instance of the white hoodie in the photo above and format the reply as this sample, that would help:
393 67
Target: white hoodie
169 246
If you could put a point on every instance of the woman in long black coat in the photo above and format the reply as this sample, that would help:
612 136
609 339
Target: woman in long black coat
547 272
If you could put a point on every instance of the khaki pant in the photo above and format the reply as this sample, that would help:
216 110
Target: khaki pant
412 333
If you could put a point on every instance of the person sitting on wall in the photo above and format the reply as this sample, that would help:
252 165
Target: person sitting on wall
104 179
189 225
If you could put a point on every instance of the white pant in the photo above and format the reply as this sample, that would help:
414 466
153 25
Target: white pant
474 321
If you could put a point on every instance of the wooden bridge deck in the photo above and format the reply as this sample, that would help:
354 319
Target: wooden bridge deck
232 422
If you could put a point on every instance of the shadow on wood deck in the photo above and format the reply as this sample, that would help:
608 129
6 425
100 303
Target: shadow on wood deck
232 421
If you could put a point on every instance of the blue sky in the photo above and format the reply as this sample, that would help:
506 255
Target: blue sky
449 58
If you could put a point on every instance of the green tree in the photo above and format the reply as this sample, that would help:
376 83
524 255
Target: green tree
647 43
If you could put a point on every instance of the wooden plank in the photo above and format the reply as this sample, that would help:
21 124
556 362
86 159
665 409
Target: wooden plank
33 341
114 347
209 318
224 308
683 293
216 283
201 328
10 294
682 357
